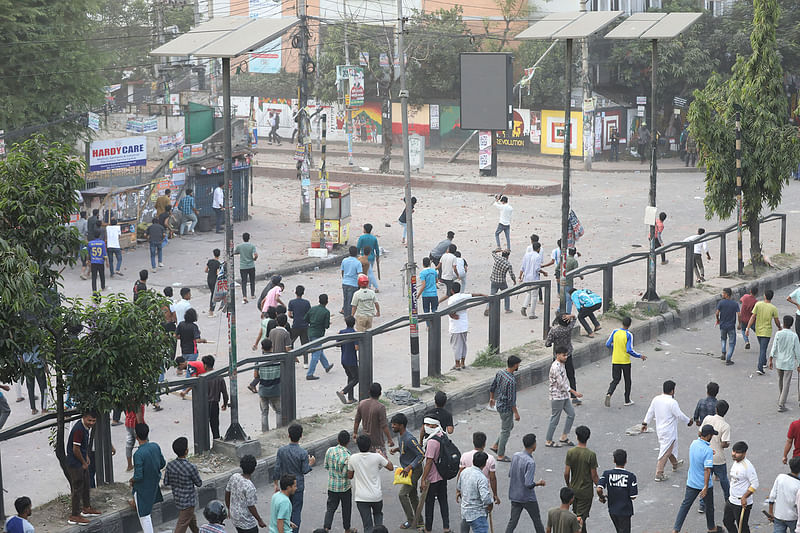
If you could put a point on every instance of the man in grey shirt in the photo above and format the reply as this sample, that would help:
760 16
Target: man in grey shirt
521 484
475 496
440 249
410 459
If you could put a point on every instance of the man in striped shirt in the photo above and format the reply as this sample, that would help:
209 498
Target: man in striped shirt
500 268
503 397
621 343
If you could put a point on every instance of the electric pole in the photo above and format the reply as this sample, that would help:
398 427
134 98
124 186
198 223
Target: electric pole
303 133
160 39
411 266
588 116
348 127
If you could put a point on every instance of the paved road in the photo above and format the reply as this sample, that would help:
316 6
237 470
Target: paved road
689 357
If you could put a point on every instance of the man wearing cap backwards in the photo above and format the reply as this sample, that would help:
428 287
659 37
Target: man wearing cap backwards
698 481
364 304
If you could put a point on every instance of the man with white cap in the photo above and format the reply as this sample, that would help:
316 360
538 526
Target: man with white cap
432 484
664 408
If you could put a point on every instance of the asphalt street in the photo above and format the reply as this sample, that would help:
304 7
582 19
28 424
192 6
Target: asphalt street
690 357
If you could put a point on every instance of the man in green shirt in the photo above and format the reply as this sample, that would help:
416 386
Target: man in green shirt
319 319
763 314
280 507
580 474
247 265
560 519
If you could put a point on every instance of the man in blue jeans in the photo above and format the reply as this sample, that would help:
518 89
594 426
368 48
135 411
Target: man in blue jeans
727 318
318 319
351 268
475 496
699 482
155 236
764 313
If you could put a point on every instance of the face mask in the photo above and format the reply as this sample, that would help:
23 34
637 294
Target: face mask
431 430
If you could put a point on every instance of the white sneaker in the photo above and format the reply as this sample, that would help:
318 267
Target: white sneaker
161 264
630 402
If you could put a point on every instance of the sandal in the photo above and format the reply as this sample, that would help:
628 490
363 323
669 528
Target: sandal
552 444
566 442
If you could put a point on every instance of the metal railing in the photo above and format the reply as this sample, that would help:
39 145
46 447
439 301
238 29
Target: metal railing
688 246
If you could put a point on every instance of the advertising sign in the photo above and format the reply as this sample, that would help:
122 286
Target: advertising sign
118 153
434 116
356 75
93 121
484 150
267 59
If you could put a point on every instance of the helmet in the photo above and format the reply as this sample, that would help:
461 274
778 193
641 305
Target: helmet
363 280
215 512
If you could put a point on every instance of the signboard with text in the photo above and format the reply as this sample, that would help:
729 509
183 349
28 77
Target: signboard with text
118 153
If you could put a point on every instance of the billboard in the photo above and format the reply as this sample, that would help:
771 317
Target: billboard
486 91
267 59
118 153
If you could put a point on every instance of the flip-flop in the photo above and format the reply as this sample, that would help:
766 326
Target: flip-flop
566 442
504 459
493 449
552 445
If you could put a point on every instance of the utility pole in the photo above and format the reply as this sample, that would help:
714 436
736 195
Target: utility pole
411 266
160 39
651 295
588 117
740 261
348 127
303 133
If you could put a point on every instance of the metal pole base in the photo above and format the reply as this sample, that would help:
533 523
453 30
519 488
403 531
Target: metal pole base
235 432
650 296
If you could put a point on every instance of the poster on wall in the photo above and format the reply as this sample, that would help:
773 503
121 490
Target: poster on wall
515 140
484 150
118 153
434 115
356 76
536 127
554 132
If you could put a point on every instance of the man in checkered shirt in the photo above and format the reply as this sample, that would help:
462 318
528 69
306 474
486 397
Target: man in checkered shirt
189 211
182 476
501 267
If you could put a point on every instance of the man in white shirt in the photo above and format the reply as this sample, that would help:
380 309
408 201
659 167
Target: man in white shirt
504 222
719 443
217 203
364 468
744 482
447 268
783 499
666 412
182 305
113 232
529 271
459 324
700 248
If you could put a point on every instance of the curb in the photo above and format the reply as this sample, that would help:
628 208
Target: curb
477 395
397 180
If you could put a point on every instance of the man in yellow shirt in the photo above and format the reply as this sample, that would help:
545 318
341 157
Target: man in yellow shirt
621 343
763 314
162 202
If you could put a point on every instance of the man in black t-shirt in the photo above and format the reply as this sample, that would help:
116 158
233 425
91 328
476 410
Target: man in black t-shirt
622 490
439 413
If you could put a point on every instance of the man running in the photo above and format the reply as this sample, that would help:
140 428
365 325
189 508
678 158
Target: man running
503 397
763 315
621 343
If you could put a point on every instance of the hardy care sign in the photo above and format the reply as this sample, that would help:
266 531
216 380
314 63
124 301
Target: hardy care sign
118 153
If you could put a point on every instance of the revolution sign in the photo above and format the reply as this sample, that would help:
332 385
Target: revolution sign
118 153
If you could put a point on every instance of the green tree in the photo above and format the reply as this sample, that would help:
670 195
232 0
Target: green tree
770 147
548 85
511 11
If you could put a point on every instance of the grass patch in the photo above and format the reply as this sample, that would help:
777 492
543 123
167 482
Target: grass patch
620 311
671 302
434 381
489 358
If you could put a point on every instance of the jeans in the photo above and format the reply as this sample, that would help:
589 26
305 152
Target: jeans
112 253
156 248
506 425
265 402
784 526
317 356
479 525
744 332
98 269
532 509
409 499
556 406
731 516
688 499
503 228
248 273
622 523
371 514
352 380
189 223
347 297
5 410
297 507
334 499
763 343
430 304
437 491
588 312
721 471
40 377
617 372
497 287
405 230
728 339
373 279
218 217
784 383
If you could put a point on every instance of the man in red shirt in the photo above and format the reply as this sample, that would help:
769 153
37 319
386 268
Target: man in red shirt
792 438
748 302
193 369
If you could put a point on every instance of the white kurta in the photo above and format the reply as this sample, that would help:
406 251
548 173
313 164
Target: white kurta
664 408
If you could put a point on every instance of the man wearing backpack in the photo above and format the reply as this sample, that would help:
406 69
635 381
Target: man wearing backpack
442 460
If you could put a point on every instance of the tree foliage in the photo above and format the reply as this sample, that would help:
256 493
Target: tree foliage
548 85
770 146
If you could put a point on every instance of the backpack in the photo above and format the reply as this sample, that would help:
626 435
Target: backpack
138 287
449 460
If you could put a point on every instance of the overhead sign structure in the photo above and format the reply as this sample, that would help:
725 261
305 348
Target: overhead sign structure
118 153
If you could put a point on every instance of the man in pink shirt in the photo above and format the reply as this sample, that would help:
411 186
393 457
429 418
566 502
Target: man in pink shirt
273 298
432 484
490 470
